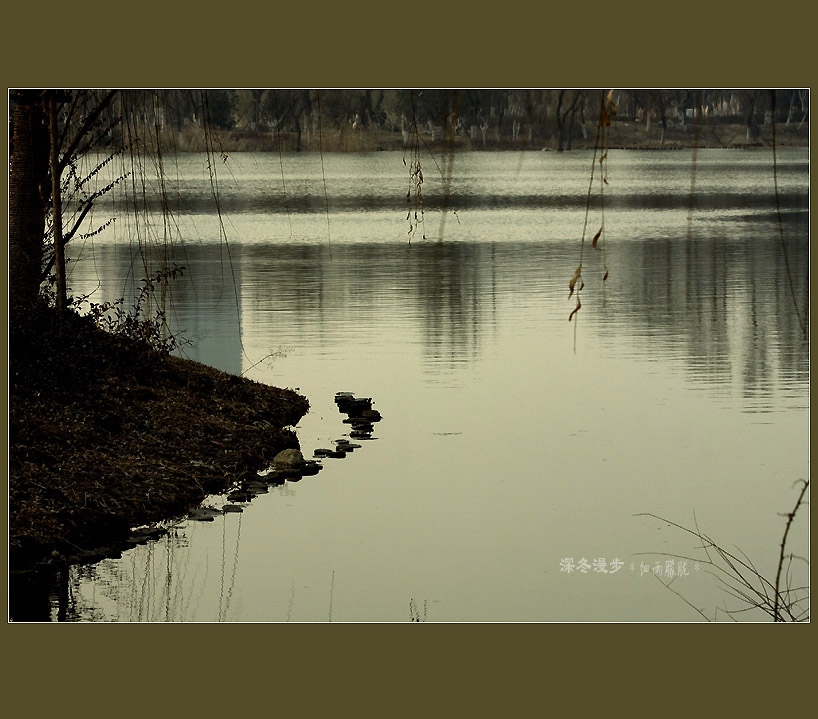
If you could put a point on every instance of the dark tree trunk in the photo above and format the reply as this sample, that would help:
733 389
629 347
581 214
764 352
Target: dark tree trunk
297 124
29 194
255 108
56 203
660 99
572 115
560 121
565 119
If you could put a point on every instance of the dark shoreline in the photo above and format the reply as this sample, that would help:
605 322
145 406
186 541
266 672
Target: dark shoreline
106 434
621 135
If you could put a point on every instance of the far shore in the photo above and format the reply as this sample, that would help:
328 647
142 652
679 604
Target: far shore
621 135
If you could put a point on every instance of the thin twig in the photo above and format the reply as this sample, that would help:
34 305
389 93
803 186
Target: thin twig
735 575
790 517
682 597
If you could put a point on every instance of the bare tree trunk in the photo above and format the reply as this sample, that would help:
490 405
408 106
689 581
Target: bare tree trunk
56 204
28 195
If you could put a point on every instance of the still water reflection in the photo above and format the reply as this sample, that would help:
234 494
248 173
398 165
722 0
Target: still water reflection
512 439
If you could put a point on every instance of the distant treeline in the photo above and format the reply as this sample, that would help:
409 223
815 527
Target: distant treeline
377 119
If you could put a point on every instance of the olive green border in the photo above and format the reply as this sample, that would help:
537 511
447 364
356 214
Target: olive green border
571 670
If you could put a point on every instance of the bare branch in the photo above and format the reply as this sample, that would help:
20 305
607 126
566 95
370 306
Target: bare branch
89 121
790 517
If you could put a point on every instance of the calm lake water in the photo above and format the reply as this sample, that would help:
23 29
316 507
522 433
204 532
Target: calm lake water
512 440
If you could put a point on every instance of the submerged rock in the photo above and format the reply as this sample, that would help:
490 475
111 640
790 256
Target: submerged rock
241 496
204 514
358 422
254 486
346 444
142 535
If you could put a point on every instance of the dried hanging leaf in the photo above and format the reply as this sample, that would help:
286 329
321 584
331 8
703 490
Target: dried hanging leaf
596 238
575 310
605 119
574 279
612 103
605 276
604 157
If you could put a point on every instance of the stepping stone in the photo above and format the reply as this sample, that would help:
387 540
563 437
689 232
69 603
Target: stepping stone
204 514
347 444
360 434
240 496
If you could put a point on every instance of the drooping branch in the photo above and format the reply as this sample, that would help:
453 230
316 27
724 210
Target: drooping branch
86 126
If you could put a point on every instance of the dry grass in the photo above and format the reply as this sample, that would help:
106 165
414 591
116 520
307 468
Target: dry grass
107 434
741 580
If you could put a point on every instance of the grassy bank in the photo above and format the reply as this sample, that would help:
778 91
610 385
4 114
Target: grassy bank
106 434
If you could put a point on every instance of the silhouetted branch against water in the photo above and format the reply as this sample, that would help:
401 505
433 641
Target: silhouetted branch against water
323 174
681 596
790 517
415 174
269 356
281 161
607 109
742 580
86 126
207 126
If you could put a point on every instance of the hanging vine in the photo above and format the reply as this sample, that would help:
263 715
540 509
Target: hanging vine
607 109
414 196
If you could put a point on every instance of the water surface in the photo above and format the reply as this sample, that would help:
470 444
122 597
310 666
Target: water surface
512 439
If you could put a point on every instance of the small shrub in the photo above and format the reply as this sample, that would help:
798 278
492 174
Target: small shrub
136 323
